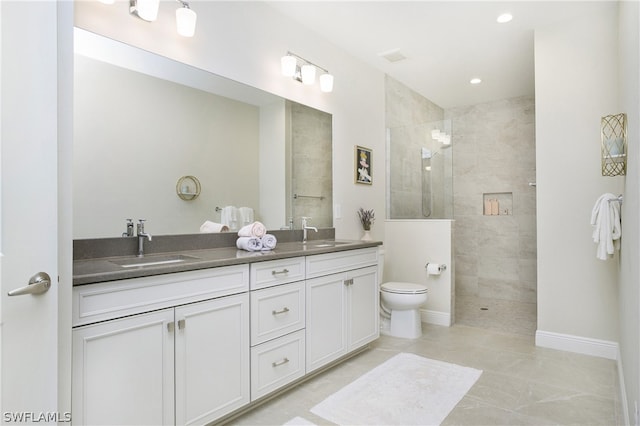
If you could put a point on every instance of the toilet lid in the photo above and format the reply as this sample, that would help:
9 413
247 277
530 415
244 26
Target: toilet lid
404 288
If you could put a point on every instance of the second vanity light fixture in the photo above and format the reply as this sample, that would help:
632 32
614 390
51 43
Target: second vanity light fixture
148 11
305 72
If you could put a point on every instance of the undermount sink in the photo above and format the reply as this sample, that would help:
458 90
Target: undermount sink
153 260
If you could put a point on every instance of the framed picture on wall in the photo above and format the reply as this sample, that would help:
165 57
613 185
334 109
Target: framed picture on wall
363 163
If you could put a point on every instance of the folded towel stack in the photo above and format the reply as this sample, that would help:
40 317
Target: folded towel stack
211 227
254 237
607 229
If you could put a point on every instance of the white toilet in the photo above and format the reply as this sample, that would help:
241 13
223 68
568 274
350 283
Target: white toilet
403 300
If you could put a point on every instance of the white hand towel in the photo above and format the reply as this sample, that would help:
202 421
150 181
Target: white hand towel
607 229
249 243
211 227
229 217
255 229
246 215
269 242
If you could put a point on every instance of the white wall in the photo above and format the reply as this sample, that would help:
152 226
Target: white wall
244 41
576 84
409 246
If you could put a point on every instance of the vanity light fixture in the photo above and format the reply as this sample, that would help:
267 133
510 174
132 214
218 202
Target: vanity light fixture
305 71
148 10
185 19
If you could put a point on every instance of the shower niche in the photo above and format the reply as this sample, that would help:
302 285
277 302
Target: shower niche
497 203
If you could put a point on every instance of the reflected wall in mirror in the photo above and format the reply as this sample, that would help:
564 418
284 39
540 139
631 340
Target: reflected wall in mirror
142 121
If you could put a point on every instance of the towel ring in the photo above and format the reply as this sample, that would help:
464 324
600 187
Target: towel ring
188 188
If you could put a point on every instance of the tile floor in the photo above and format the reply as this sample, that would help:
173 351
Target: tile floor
521 384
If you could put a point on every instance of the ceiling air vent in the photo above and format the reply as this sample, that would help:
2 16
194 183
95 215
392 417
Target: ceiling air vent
393 55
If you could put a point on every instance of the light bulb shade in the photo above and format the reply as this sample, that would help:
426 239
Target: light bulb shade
186 21
308 74
288 64
326 82
145 9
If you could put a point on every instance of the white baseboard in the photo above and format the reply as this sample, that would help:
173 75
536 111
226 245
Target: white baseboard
581 345
623 392
435 317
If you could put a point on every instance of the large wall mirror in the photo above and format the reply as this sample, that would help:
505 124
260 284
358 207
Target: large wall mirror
142 121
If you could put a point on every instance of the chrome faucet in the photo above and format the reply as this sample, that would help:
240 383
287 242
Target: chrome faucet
141 236
129 232
305 228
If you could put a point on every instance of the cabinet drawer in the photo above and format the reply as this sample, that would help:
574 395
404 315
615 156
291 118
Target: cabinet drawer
325 264
276 311
109 300
274 272
276 363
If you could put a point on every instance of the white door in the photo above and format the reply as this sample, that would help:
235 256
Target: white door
29 210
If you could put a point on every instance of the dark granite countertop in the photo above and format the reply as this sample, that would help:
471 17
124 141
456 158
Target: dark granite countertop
101 269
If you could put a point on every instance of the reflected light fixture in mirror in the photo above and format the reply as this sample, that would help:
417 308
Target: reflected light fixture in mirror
305 72
148 10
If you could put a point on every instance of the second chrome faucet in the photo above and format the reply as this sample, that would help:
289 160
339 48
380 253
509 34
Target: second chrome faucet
141 236
305 228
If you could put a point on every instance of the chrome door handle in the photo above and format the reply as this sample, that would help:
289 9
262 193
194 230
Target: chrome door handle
38 284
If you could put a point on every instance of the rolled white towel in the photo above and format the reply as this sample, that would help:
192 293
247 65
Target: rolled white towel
255 229
269 242
249 243
211 227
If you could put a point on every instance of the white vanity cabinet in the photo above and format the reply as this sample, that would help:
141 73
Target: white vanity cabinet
277 324
186 362
342 300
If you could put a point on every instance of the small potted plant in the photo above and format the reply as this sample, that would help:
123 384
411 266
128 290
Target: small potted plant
367 217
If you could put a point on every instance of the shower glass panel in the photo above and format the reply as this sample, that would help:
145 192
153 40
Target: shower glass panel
420 171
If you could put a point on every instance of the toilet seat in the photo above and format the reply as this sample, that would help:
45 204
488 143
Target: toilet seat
403 288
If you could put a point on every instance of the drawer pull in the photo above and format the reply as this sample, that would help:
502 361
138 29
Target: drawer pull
284 271
278 363
283 311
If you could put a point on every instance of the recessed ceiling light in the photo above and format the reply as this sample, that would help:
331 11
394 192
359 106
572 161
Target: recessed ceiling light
475 81
504 18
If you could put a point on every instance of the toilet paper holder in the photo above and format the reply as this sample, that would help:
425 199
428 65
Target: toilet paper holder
441 267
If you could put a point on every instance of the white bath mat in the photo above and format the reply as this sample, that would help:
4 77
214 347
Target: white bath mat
299 421
405 390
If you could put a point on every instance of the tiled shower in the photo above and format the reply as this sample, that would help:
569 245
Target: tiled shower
495 250
493 165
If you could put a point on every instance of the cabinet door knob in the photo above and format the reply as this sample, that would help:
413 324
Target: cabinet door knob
181 324
348 282
171 326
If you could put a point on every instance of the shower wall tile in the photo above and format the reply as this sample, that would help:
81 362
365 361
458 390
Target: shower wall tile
494 151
